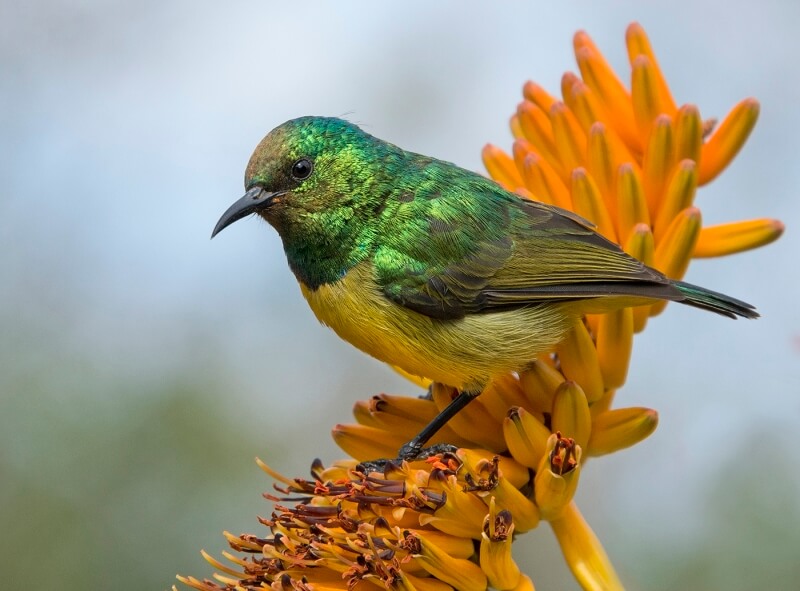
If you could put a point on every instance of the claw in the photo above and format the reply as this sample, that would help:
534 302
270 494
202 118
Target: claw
411 451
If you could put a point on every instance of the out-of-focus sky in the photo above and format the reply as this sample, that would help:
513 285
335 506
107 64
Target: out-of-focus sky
125 128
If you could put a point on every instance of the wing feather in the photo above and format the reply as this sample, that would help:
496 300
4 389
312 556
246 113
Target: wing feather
476 248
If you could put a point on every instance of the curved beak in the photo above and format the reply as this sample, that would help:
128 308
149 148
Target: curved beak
255 199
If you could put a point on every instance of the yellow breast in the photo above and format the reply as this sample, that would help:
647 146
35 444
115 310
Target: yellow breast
465 353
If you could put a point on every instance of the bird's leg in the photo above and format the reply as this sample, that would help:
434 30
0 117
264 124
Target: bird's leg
413 448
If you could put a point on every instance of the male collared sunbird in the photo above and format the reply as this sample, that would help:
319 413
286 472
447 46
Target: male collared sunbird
433 268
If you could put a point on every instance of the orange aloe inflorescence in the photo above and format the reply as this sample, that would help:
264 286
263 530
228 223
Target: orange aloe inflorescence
628 160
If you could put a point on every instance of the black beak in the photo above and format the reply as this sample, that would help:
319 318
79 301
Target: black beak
255 199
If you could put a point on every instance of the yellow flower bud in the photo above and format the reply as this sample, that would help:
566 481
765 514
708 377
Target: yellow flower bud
723 145
733 237
589 203
367 443
617 429
571 414
501 167
525 436
462 513
614 346
583 552
539 383
657 162
578 357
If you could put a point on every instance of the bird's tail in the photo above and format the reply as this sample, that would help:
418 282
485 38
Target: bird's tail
700 297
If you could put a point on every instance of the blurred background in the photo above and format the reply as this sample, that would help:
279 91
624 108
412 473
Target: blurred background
143 367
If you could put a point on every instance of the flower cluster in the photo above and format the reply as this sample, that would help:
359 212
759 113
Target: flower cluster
628 160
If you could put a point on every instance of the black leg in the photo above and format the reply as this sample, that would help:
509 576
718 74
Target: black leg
413 448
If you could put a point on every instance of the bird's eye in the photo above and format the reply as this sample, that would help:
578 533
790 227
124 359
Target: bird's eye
302 169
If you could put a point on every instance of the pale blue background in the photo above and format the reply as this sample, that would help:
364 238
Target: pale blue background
143 366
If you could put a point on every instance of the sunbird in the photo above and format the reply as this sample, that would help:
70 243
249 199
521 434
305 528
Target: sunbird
433 268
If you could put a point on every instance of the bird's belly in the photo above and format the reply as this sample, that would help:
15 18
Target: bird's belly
465 353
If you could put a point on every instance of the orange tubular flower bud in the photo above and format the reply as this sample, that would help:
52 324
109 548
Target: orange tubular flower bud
648 102
589 203
579 362
571 415
614 346
725 239
403 416
569 138
688 134
657 164
461 515
519 149
631 202
539 383
536 128
526 513
542 179
582 550
638 44
501 167
515 127
727 140
602 163
525 436
617 429
465 423
496 405
509 390
673 252
538 96
585 105
606 154
640 245
678 196
599 76
400 415
366 443
568 79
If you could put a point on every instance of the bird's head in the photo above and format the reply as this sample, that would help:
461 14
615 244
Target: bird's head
302 169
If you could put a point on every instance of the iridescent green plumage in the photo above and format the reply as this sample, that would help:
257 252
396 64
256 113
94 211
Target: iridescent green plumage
444 241
433 268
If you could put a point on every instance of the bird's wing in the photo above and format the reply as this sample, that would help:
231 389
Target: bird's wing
479 249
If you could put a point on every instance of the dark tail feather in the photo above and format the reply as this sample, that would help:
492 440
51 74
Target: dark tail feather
699 297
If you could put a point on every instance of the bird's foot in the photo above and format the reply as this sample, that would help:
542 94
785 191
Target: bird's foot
411 451
414 451
382 465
